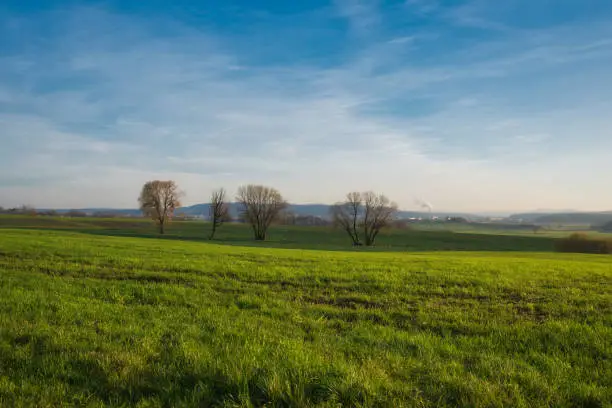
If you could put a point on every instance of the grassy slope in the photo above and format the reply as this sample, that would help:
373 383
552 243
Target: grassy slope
108 320
296 237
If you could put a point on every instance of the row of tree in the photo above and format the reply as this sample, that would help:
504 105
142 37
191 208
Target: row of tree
361 215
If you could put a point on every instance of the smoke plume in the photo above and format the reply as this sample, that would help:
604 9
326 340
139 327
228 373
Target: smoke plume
423 204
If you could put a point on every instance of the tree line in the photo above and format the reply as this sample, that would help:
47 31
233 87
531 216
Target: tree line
361 215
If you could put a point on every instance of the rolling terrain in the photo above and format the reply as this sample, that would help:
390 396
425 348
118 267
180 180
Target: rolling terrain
105 313
428 237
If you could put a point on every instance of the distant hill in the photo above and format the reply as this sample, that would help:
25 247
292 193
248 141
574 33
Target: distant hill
571 218
202 210
317 210
132 212
607 227
321 210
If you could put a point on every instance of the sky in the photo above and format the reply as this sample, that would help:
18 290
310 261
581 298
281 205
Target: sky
470 105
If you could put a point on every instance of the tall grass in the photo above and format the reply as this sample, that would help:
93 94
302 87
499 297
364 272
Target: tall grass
108 321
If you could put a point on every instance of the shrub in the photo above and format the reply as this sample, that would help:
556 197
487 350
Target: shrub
582 243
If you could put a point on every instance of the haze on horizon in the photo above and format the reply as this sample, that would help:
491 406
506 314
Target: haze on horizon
472 105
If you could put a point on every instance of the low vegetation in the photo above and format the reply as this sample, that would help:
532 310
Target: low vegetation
90 319
583 243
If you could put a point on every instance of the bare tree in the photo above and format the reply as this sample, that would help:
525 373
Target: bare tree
260 206
218 210
368 211
379 212
346 215
158 200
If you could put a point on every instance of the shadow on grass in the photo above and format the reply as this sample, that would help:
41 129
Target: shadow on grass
169 377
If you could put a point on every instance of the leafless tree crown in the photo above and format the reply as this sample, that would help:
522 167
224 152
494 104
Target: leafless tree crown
158 200
365 212
260 206
378 213
347 215
219 210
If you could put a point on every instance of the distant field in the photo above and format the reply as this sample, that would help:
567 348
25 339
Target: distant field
90 319
428 238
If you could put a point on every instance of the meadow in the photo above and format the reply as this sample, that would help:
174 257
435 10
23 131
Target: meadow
428 237
105 313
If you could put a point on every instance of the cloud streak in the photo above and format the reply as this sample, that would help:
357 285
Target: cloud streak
107 103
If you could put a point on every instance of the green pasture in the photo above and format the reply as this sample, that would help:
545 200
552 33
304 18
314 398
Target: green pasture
96 316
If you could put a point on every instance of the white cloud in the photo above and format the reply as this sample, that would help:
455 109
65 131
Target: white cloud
403 40
95 118
363 15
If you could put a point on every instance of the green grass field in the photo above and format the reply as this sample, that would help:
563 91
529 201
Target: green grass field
431 238
102 313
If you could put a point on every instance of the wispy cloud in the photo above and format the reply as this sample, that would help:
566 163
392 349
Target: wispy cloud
362 15
471 14
108 101
422 7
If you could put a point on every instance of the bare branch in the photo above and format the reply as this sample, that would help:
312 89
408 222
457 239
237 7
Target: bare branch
158 200
260 206
219 210
346 216
379 213
367 210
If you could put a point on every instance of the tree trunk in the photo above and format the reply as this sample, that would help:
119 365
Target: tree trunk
161 228
369 241
214 229
354 238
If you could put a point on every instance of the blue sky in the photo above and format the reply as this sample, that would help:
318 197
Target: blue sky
471 105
